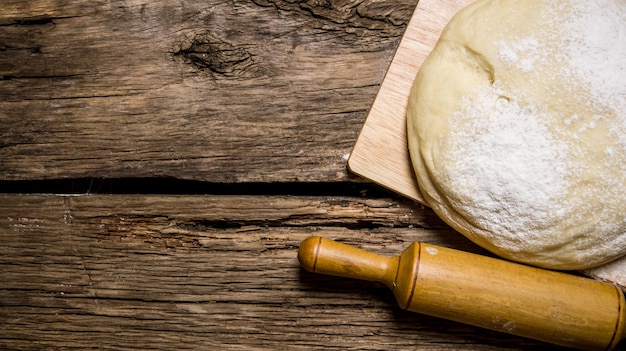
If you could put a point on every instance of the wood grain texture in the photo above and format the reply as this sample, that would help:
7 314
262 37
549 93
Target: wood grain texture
210 272
236 91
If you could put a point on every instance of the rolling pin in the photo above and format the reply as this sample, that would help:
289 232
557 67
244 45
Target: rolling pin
550 306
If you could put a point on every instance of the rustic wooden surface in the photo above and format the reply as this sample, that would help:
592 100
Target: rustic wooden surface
161 161
209 272
264 90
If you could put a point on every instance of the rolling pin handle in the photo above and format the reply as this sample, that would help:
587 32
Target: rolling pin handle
321 255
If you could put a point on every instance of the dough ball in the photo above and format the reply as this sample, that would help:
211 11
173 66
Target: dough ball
517 129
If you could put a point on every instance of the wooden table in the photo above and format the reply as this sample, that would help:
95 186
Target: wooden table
161 162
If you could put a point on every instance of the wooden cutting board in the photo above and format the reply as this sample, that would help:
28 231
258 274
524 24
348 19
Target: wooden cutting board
380 153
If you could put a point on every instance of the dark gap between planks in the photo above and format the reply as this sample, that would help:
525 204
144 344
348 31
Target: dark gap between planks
168 186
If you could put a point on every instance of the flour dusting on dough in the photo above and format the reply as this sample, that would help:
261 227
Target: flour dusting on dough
511 177
524 151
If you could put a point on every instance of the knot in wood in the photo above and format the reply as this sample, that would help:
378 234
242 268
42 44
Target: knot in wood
207 52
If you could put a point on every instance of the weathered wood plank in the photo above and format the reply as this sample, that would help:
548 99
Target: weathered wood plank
210 272
237 91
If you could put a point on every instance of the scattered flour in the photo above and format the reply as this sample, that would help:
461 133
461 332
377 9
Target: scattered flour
591 41
523 53
514 168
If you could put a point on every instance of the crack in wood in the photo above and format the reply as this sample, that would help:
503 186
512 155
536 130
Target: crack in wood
208 52
386 15
290 221
35 21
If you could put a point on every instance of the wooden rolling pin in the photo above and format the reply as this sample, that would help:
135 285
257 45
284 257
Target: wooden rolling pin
555 307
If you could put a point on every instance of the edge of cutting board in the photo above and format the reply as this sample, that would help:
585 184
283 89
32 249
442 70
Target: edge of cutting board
380 153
